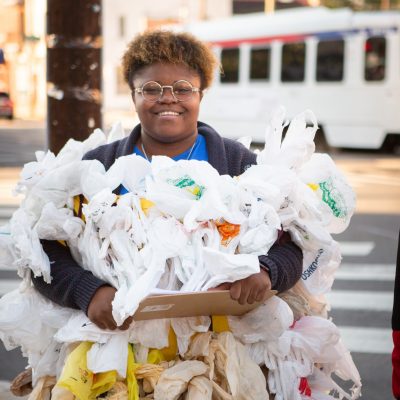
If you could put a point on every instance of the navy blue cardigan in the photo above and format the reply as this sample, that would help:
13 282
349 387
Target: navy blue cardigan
74 287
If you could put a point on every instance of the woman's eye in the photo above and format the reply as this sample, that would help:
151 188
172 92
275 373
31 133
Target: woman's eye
151 90
182 90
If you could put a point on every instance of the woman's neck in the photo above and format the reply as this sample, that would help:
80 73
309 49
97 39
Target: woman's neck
153 147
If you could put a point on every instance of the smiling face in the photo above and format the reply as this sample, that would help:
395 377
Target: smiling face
167 120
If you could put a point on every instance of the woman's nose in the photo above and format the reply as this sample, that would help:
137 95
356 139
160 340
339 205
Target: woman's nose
167 95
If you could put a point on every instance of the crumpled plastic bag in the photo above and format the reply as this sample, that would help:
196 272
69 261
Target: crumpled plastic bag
79 328
191 191
330 185
174 381
319 267
151 334
224 267
110 356
298 145
199 346
150 374
28 249
244 377
26 321
267 322
199 388
185 328
80 380
58 224
42 389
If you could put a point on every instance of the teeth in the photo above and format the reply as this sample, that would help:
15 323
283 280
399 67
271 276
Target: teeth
168 113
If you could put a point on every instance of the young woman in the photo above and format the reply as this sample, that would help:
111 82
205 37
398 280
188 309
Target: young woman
168 73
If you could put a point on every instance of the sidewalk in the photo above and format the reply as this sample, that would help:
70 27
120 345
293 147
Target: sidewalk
5 393
9 177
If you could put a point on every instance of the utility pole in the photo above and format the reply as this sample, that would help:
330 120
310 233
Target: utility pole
269 6
73 70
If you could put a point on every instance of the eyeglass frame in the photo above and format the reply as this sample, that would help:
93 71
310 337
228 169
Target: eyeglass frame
194 90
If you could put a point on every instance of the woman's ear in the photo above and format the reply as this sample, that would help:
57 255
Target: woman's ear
133 97
202 93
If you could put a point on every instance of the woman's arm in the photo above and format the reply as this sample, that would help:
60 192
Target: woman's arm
71 285
284 263
280 270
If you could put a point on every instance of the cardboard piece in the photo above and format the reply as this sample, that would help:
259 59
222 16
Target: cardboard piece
216 302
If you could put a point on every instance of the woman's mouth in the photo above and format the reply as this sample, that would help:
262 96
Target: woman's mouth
168 114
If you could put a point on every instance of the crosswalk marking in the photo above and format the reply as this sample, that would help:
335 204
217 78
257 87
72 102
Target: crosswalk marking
356 248
366 272
367 340
360 300
6 212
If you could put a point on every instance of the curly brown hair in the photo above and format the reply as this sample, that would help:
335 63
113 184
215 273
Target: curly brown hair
168 47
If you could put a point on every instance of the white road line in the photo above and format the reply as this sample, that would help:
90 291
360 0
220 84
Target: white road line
356 248
366 272
8 285
367 340
361 300
7 212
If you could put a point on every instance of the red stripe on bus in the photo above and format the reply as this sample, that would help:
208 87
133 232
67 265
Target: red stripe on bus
266 39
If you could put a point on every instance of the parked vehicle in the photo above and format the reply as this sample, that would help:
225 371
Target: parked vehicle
341 64
6 106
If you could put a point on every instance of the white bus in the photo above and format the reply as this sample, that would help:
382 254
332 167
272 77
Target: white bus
343 65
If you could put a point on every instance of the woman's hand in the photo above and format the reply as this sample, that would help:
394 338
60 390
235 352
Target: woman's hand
248 290
100 309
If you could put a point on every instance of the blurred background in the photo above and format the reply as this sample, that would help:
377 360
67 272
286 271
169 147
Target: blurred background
339 58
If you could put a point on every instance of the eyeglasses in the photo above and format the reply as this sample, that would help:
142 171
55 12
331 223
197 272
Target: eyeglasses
181 90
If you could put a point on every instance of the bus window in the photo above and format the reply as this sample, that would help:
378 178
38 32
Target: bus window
260 64
293 62
330 56
375 59
230 65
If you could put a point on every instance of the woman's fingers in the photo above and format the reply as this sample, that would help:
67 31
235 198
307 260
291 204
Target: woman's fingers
100 308
126 324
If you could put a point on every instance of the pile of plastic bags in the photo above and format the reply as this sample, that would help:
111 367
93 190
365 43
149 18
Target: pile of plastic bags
183 227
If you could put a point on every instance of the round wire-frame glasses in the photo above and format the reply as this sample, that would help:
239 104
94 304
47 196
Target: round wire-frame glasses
181 90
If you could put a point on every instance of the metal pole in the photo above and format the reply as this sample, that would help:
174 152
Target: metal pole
73 70
269 6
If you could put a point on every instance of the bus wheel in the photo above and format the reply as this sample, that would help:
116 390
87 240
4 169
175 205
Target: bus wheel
391 144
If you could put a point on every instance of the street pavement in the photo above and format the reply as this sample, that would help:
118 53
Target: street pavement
362 295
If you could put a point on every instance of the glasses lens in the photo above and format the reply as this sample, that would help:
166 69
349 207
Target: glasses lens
151 91
183 90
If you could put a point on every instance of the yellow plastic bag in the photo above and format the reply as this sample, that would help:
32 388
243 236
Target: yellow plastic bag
155 356
133 387
79 380
169 353
220 323
103 382
76 377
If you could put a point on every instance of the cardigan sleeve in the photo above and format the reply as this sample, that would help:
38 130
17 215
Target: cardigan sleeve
71 285
284 263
